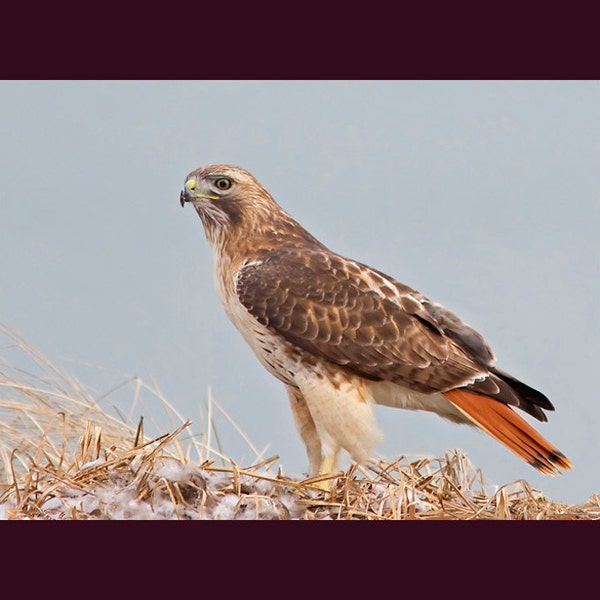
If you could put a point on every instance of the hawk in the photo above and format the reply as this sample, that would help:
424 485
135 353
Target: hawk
343 336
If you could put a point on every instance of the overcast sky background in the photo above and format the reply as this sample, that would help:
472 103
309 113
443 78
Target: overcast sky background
484 196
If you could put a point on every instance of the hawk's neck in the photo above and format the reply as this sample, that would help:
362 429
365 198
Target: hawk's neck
243 243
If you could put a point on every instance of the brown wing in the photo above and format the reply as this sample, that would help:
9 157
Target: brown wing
356 317
499 384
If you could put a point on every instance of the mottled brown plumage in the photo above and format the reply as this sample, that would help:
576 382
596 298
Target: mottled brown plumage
342 336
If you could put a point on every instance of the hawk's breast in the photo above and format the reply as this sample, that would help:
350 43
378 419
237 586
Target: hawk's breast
280 357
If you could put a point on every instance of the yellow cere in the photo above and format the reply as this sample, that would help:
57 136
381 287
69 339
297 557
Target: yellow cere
191 185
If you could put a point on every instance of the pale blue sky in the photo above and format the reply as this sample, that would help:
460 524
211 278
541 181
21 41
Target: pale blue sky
483 195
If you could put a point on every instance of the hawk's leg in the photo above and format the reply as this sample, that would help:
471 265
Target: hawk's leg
307 430
334 411
328 464
319 464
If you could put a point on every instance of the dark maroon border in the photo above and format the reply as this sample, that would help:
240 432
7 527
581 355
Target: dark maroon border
325 41
300 558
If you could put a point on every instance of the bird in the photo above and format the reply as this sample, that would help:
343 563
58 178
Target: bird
343 337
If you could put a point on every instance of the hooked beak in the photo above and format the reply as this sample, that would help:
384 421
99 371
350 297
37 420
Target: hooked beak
183 197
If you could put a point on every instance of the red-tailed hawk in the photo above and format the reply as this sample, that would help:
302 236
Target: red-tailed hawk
343 336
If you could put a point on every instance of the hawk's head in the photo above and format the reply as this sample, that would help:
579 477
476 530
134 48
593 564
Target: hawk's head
226 197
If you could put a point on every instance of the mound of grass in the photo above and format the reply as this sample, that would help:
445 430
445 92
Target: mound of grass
64 456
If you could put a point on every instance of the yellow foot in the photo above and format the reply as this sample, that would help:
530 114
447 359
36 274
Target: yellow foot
327 464
326 468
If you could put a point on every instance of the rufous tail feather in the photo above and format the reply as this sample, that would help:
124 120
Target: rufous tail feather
504 424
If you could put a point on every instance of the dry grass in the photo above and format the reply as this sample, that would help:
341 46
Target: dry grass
63 456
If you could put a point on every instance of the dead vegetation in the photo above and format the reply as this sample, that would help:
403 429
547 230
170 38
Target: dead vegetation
63 456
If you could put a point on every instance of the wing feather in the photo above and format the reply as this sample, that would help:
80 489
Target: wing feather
354 316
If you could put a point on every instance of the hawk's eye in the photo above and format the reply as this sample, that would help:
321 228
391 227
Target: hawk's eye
223 183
